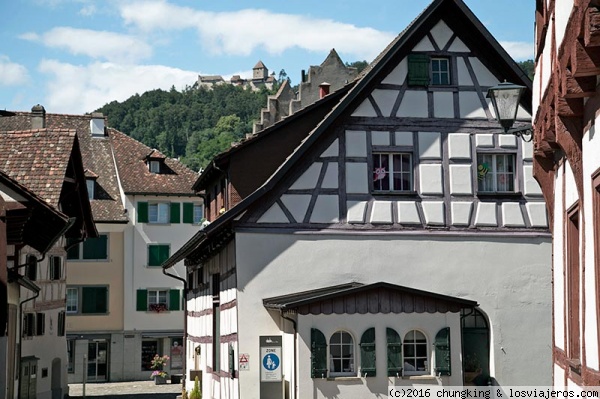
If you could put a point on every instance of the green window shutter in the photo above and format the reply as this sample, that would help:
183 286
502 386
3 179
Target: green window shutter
318 354
367 353
73 252
188 212
442 352
94 300
394 353
142 210
418 70
157 254
96 248
174 300
175 212
141 300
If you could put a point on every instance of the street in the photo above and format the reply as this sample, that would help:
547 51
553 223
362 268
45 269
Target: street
125 390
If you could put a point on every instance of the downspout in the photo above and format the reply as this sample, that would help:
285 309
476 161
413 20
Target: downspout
226 193
184 343
21 338
295 325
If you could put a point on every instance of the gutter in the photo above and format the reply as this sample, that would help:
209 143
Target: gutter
37 290
295 376
184 343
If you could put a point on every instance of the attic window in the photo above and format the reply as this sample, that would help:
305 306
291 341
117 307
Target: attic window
91 184
154 166
425 71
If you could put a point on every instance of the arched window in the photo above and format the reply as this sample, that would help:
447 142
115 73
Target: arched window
341 354
415 353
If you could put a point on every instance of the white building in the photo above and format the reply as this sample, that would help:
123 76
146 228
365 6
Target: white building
403 242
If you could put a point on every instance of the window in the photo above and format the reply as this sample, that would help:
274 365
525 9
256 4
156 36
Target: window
90 249
415 353
28 324
61 324
149 349
154 166
496 173
572 283
392 172
367 353
157 300
70 356
72 300
55 267
216 323
192 213
341 354
425 71
31 269
40 324
440 71
91 185
158 213
158 254
87 300
394 353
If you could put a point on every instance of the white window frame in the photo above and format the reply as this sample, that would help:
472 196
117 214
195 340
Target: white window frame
389 174
154 297
70 303
154 212
412 342
441 73
198 213
494 172
154 167
91 184
351 357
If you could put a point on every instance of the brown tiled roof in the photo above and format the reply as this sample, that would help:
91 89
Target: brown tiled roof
97 158
38 159
155 154
135 176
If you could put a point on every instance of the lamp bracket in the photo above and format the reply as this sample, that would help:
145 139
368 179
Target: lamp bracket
524 132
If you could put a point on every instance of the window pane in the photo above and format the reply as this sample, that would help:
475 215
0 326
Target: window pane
198 213
72 300
163 213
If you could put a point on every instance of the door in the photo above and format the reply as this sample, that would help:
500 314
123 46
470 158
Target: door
97 368
28 382
476 346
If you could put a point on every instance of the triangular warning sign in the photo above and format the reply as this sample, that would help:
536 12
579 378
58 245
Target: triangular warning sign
243 358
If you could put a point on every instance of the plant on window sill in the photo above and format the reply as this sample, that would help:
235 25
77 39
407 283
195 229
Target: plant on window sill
158 307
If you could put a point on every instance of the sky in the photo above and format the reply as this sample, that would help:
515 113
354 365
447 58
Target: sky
74 56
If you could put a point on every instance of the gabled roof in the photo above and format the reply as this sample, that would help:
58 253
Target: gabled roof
373 298
454 13
259 65
97 156
155 154
136 178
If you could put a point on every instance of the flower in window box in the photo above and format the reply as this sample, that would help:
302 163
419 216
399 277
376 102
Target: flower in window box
158 373
158 307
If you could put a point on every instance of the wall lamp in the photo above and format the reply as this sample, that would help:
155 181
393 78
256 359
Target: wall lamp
505 99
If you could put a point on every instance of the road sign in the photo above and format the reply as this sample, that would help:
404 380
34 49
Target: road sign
244 362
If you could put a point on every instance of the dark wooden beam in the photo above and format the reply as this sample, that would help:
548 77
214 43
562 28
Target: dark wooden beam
584 61
569 107
572 87
591 31
543 173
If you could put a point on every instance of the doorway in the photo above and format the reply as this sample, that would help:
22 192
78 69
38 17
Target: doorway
28 382
476 346
97 367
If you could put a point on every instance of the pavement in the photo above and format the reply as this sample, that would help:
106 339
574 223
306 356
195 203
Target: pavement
125 390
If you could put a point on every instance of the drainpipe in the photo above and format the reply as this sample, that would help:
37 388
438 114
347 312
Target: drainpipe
37 293
184 343
295 375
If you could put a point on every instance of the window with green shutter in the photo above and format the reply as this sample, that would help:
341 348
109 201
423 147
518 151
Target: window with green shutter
175 212
142 210
94 299
174 300
158 254
367 353
141 303
442 352
95 248
318 354
188 212
394 353
418 70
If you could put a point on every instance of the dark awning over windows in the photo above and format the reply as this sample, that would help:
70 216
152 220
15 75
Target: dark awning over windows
359 298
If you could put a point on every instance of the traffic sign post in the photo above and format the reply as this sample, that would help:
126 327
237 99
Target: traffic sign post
271 377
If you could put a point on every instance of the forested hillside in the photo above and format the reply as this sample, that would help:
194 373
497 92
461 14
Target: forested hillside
195 124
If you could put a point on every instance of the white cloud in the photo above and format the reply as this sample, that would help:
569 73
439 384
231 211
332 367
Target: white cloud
95 44
519 51
241 32
76 89
13 74
88 10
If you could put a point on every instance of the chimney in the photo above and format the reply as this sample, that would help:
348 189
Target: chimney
303 79
38 117
97 124
324 89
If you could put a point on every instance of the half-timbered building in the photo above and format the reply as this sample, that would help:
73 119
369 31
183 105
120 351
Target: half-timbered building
403 241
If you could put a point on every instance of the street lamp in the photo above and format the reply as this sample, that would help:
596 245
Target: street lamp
505 99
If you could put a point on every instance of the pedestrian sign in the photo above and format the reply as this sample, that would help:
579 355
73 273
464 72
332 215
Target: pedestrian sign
271 361
270 364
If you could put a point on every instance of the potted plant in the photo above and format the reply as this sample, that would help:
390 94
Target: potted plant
157 364
158 307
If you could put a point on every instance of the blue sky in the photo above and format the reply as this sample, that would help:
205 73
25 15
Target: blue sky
73 56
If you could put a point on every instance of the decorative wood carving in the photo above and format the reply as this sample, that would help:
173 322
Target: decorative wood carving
572 87
585 61
591 33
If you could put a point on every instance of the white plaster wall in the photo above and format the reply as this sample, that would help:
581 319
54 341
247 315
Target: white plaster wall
443 105
558 264
398 75
464 77
308 179
562 13
559 376
546 61
571 194
470 105
492 272
385 100
361 386
357 178
414 104
356 143
441 34
482 74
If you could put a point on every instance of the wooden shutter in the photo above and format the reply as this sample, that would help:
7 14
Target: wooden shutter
174 300
367 353
418 70
188 212
40 323
442 352
394 353
142 210
157 254
94 300
175 212
141 303
96 248
231 361
318 354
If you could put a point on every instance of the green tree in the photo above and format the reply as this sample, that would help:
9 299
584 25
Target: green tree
359 65
528 67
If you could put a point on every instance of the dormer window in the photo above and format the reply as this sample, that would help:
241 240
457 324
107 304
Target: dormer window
91 185
154 166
